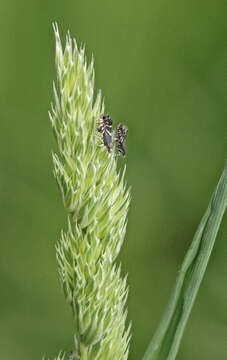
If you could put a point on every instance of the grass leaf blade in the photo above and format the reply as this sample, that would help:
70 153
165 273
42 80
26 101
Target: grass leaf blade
166 340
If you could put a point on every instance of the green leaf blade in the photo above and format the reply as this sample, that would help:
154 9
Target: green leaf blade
166 340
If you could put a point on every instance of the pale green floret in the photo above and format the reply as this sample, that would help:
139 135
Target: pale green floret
96 198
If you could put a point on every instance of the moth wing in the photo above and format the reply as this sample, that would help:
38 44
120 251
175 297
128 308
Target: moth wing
107 140
121 149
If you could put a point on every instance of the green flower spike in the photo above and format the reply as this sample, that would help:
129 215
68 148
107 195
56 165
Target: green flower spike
97 200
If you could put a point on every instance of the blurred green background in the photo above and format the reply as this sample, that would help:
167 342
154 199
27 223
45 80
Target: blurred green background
162 66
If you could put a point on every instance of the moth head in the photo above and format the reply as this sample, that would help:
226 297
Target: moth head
122 129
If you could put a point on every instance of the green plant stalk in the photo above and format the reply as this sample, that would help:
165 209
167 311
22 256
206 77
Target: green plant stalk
166 340
96 200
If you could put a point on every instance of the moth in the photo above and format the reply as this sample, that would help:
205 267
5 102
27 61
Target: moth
120 139
105 127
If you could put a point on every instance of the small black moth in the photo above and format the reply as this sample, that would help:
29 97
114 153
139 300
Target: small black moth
105 127
120 139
